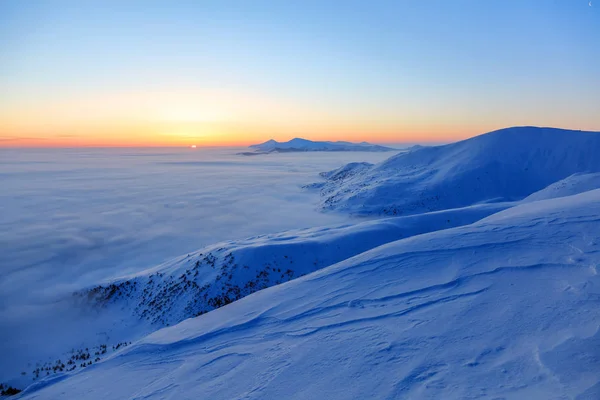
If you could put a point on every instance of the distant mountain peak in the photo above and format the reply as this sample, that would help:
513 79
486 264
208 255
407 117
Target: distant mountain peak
299 145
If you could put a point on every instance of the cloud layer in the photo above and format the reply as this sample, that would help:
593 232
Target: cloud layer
73 217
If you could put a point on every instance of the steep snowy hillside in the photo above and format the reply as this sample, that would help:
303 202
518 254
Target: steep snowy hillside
125 309
508 307
220 274
506 165
298 144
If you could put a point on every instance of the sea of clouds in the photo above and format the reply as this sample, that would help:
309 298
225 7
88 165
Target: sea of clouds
75 217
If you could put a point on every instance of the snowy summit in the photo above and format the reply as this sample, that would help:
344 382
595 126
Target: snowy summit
504 165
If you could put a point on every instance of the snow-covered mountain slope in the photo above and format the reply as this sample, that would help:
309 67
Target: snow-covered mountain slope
574 184
220 274
299 144
126 309
506 165
507 307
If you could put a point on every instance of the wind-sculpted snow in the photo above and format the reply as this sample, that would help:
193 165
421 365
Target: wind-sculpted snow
505 165
507 307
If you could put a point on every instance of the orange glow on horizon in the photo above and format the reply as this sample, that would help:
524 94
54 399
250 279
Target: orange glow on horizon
204 117
150 138
181 118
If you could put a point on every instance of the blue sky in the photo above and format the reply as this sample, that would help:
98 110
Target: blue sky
429 69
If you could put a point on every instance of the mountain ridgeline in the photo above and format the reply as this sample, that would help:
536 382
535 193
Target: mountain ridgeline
302 145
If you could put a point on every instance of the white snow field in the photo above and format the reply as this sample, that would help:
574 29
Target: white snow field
505 308
508 165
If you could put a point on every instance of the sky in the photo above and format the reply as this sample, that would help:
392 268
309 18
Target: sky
162 73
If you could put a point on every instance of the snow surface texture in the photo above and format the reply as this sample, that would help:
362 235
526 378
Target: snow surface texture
299 145
507 307
504 165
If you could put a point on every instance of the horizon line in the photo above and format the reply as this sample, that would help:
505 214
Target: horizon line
12 142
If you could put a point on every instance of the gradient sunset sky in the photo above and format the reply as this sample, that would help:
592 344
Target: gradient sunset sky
148 73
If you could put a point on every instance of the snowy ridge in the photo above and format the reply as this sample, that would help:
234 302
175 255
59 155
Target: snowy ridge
574 184
504 165
457 313
220 274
